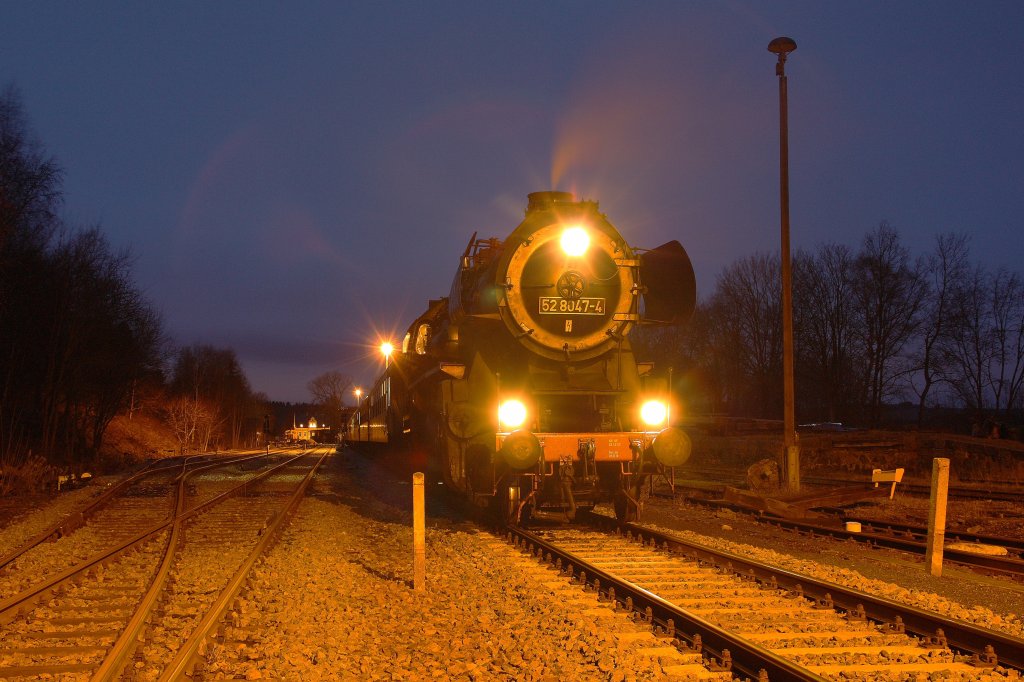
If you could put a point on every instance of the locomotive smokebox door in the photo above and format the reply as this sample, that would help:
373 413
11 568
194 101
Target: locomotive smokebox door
564 303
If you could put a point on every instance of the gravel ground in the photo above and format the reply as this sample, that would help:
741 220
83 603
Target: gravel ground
23 518
334 599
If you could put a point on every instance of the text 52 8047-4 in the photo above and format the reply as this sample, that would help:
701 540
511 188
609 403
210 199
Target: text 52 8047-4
553 305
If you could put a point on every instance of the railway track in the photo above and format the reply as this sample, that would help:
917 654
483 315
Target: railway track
714 481
142 585
125 505
903 537
761 622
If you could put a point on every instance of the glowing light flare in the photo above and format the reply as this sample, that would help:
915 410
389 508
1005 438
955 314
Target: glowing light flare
512 413
387 349
575 241
654 412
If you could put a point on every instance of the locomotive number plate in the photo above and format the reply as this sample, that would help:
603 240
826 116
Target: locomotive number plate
554 305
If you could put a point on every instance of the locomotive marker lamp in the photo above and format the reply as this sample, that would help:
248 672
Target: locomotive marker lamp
512 414
654 413
782 47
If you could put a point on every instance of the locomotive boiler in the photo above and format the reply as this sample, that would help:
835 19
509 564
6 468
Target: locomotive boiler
520 388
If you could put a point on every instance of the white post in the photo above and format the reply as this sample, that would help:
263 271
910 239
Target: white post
418 533
937 515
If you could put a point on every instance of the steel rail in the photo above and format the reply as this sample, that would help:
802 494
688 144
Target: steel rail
715 480
77 519
920 531
183 660
117 657
1012 567
747 658
8 605
960 635
120 653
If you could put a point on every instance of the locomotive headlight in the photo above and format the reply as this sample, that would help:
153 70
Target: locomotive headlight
575 241
511 414
654 412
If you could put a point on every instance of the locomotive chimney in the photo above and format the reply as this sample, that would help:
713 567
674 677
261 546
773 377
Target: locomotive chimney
543 201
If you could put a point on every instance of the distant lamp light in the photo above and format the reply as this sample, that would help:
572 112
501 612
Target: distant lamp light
575 241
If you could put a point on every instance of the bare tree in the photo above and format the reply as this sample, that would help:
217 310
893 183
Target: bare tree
826 336
329 390
30 183
1007 309
887 296
746 332
194 422
944 272
968 349
216 376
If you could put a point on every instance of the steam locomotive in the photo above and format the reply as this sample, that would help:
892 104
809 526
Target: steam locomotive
520 389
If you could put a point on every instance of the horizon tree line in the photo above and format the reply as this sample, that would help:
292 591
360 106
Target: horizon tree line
873 326
79 343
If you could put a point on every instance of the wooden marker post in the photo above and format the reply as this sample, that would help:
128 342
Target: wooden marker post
418 533
937 515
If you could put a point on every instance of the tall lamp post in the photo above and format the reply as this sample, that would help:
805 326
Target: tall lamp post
782 47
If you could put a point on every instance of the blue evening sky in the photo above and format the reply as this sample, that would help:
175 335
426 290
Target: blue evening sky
297 178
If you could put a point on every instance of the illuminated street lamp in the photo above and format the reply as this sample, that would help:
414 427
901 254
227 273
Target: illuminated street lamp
359 393
386 350
782 47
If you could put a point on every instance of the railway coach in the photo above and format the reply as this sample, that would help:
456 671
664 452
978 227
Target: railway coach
520 388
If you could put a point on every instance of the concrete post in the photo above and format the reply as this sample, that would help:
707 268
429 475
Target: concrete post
937 515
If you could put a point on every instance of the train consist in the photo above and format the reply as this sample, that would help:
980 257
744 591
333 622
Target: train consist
521 388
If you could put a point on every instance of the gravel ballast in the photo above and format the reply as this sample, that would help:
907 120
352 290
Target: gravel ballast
334 598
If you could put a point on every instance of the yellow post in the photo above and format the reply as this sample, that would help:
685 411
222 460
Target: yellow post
418 533
937 515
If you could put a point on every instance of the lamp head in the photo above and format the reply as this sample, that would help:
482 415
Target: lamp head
782 46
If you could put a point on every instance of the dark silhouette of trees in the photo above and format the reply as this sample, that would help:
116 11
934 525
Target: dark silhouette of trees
329 391
888 295
967 349
873 327
229 413
75 334
1007 315
944 272
985 349
746 330
827 343
30 183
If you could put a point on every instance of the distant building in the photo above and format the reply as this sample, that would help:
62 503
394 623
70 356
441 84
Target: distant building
305 433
